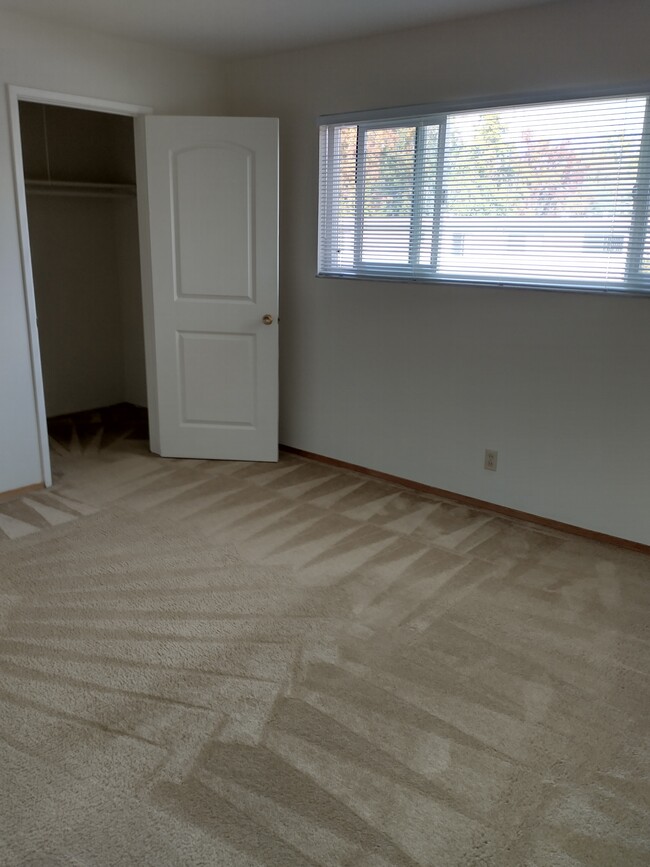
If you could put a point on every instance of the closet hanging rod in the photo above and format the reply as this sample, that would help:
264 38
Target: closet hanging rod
78 188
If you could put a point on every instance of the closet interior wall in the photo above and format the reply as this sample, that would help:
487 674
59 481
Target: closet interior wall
82 213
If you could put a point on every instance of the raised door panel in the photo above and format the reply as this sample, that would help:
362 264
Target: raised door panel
213 221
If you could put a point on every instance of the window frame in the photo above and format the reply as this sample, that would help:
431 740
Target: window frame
437 114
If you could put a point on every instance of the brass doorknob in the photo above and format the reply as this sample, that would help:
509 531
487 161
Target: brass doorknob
267 319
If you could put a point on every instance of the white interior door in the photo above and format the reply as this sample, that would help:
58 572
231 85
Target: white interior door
208 202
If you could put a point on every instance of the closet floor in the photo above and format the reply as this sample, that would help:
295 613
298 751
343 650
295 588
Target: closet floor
99 427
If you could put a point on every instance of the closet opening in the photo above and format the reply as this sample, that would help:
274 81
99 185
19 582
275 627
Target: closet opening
80 191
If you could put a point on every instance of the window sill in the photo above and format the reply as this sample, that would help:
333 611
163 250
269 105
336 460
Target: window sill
573 289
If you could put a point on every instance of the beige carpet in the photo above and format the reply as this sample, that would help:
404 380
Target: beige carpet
211 663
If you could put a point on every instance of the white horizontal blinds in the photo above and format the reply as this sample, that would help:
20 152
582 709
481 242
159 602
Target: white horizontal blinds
555 194
428 197
639 259
387 196
338 197
645 259
378 186
541 193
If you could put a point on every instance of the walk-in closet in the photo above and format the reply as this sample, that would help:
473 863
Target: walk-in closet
79 171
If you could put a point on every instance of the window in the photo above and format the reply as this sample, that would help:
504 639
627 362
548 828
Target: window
553 194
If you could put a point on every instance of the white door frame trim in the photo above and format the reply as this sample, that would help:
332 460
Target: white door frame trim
28 94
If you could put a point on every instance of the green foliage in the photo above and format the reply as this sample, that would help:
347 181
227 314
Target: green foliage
479 175
524 177
498 173
389 171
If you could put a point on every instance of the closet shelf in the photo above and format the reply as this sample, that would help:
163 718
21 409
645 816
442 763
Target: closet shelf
78 188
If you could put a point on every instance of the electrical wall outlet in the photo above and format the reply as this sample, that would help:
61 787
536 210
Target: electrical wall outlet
490 462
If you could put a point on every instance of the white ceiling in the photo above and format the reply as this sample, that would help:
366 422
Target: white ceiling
232 28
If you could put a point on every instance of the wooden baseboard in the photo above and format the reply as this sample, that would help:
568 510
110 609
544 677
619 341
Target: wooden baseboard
474 502
20 492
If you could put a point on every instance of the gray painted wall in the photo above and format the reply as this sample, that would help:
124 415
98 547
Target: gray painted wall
412 380
39 55
418 380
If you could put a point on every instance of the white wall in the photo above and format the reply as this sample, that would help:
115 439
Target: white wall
38 55
86 265
127 259
419 380
78 301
